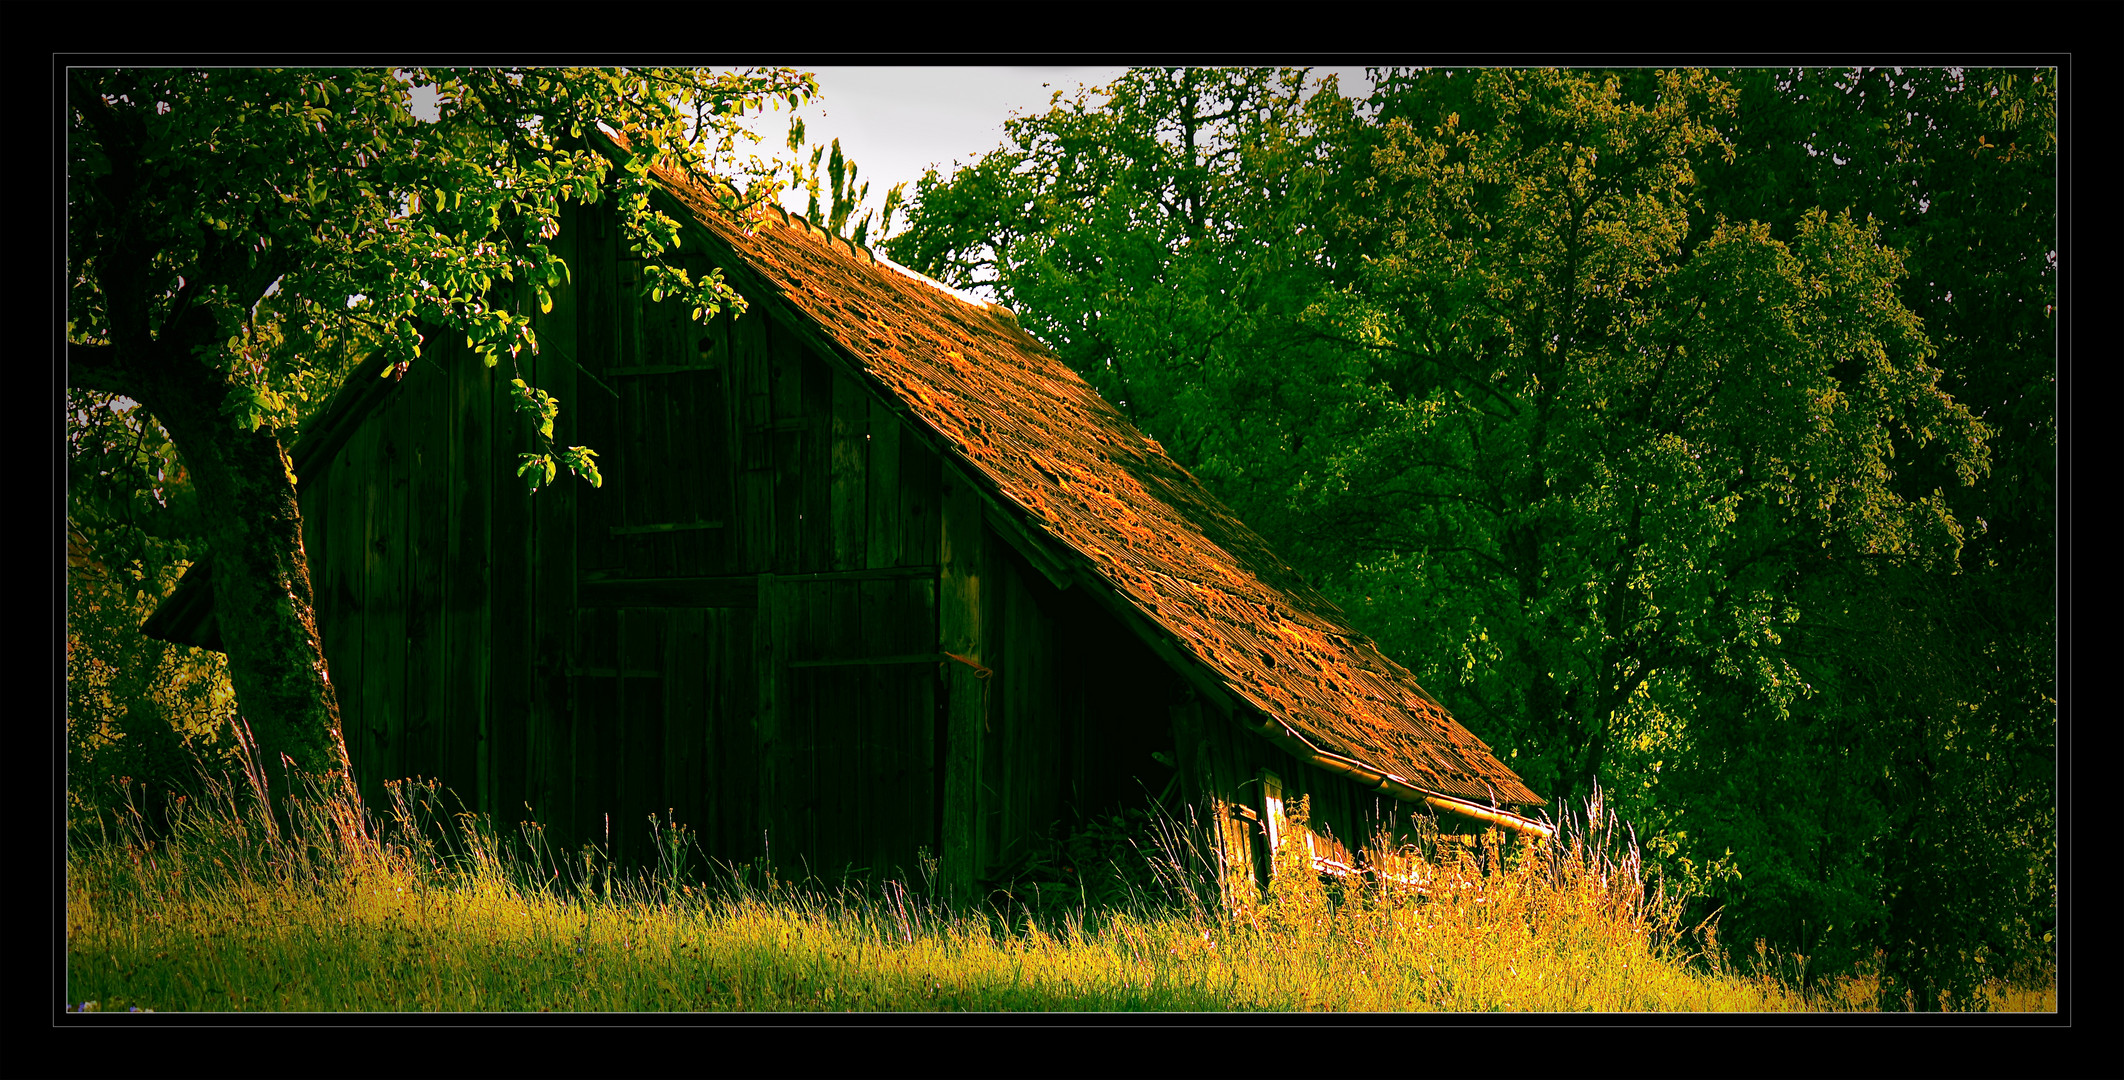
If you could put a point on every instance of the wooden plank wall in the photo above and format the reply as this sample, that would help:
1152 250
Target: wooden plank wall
739 630
741 461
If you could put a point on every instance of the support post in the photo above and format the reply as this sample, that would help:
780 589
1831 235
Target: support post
960 607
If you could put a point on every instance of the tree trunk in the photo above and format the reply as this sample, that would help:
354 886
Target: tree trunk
262 596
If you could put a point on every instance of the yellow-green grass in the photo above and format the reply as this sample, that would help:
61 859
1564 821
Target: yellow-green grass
228 914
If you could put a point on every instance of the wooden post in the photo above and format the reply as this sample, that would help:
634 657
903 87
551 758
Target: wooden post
1272 814
767 633
549 768
960 603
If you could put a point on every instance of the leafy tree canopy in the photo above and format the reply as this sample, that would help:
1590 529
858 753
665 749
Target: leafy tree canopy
1649 481
233 233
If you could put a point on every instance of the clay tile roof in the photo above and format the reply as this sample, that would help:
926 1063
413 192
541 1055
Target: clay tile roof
1098 487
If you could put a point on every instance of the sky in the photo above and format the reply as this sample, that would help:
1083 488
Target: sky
895 122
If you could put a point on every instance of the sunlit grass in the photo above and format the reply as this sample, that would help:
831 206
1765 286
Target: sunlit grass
233 913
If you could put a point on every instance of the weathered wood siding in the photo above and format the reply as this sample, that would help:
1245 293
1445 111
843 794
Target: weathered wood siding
744 629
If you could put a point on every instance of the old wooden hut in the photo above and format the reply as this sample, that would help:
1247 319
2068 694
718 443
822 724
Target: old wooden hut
871 572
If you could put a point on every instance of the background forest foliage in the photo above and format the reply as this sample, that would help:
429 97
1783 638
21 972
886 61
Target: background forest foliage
1690 434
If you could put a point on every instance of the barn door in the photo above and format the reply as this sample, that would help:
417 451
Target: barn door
849 723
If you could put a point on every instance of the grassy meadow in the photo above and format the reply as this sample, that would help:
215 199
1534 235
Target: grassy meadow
230 911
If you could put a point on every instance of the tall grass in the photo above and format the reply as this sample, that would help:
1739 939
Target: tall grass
429 909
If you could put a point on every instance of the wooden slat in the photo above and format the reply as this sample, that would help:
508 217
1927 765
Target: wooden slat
637 497
638 418
663 369
883 573
717 772
836 716
719 447
786 373
798 778
465 592
920 481
849 452
768 632
960 611
514 545
596 751
686 719
671 429
627 274
690 428
598 510
874 661
878 738
383 674
916 722
881 534
668 527
642 634
1033 728
737 591
1197 787
550 767
1001 742
756 471
425 399
738 718
602 422
817 549
855 705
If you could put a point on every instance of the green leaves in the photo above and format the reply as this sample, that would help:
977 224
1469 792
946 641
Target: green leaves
582 461
1487 364
536 469
532 401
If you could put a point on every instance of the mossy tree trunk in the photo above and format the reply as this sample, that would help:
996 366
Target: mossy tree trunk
262 594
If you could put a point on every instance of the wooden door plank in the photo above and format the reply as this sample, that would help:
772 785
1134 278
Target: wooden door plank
816 552
514 541
383 672
923 719
881 533
857 800
465 592
686 719
720 447
425 399
737 763
550 770
596 698
754 403
879 738
599 349
786 371
920 483
642 706
768 633
962 605
849 453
